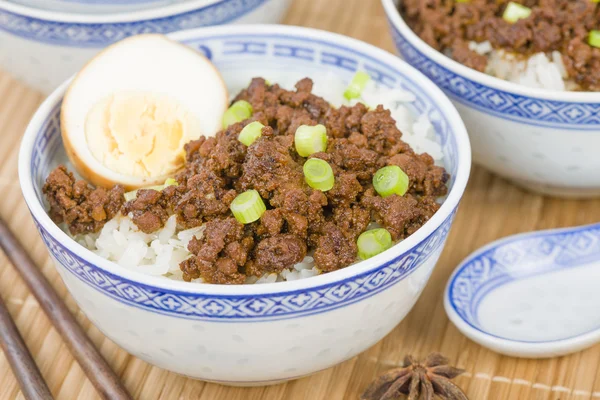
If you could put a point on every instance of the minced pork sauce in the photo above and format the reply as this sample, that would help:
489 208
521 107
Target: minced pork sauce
299 220
554 25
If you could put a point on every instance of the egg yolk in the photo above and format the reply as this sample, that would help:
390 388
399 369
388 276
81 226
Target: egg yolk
140 134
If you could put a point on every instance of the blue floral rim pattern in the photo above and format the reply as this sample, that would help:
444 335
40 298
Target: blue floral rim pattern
530 110
103 34
543 253
255 307
305 52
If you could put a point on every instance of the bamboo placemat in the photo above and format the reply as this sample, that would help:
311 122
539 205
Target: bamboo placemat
491 208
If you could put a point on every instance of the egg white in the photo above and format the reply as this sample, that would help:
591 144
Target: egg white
144 63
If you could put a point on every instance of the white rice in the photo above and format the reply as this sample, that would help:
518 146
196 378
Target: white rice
161 252
537 71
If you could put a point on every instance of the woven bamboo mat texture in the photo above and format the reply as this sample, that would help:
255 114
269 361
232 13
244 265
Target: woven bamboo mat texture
492 208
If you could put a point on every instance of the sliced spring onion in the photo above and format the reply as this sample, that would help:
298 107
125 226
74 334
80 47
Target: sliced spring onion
515 11
310 139
373 242
239 111
318 174
390 180
594 38
169 182
357 85
250 133
248 207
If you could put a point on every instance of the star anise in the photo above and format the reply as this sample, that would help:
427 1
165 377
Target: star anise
417 380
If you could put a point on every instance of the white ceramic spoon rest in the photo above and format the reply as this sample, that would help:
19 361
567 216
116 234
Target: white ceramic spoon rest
530 295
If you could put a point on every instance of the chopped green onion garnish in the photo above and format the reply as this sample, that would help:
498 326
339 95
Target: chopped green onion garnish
169 182
390 180
373 242
357 85
318 174
248 207
239 111
310 139
515 11
594 38
250 133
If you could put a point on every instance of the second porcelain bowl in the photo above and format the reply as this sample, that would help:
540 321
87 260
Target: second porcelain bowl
95 6
43 48
543 140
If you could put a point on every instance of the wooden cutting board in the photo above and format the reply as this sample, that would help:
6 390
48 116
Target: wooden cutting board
492 208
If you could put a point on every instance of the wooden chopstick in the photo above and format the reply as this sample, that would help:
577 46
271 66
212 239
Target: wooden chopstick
95 367
29 376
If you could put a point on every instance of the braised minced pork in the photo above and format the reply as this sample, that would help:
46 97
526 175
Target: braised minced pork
554 25
299 220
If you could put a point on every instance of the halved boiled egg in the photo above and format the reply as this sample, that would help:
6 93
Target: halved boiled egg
129 112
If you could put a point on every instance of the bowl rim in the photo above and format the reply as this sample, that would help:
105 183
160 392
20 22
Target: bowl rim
40 215
145 14
481 78
540 348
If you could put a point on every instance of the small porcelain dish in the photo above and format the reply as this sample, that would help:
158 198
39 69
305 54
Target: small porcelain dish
543 140
257 334
43 48
530 295
95 6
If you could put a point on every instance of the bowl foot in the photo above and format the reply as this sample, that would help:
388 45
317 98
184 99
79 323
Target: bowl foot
249 383
557 191
253 384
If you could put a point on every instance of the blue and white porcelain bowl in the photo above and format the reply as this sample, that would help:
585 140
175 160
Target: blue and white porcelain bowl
541 139
530 295
257 334
95 6
43 48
